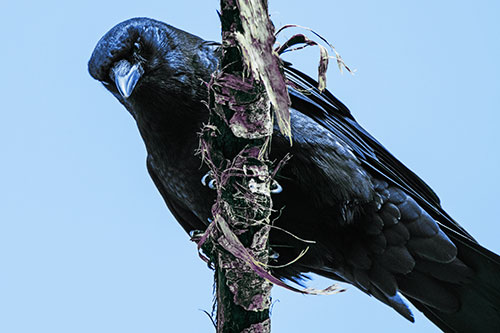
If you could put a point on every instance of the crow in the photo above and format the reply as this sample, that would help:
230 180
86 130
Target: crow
375 224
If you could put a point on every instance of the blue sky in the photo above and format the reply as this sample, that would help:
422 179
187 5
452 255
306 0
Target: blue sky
86 243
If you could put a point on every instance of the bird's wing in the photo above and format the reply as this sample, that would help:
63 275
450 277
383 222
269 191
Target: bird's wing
429 283
332 114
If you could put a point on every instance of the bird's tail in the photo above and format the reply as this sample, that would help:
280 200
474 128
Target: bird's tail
480 299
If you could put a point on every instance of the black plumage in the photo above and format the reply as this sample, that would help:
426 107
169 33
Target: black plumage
375 223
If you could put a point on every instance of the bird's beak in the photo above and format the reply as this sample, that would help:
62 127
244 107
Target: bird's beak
126 76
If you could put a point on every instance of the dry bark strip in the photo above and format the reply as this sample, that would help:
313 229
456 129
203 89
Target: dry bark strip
235 145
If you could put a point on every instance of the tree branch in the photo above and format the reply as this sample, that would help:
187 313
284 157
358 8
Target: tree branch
235 145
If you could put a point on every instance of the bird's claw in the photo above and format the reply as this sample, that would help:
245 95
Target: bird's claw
207 180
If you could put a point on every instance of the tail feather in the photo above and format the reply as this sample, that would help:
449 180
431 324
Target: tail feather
479 299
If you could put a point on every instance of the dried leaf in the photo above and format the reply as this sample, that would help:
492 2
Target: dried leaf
324 56
236 248
322 67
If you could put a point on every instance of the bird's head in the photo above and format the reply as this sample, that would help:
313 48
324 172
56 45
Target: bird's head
148 64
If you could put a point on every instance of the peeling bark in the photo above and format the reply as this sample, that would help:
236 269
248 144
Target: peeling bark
235 145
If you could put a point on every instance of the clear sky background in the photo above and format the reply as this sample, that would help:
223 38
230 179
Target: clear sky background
86 242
